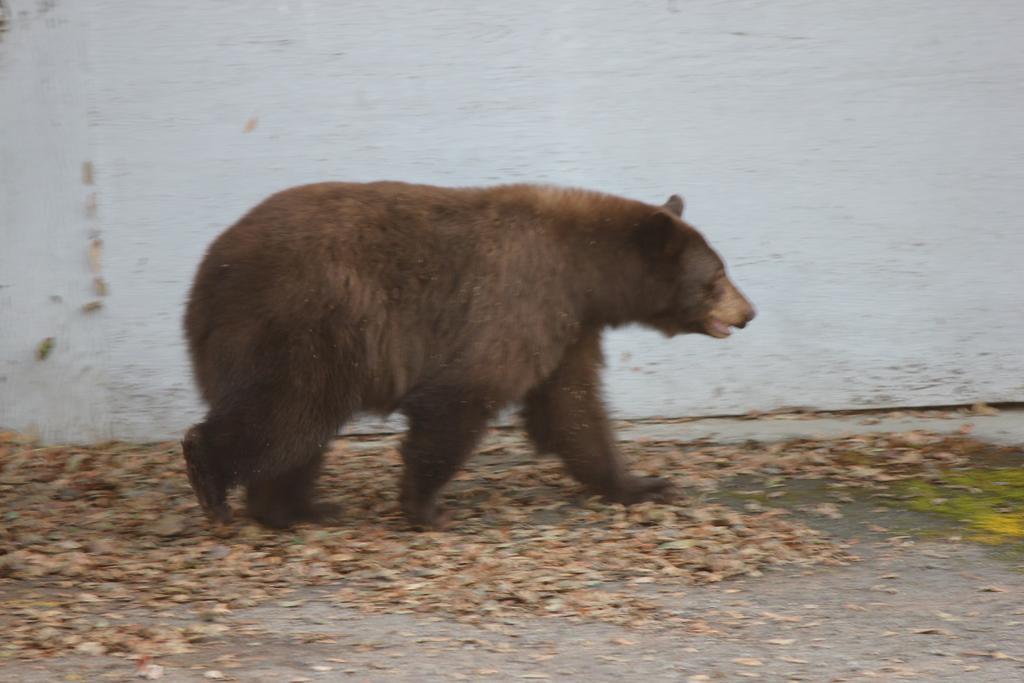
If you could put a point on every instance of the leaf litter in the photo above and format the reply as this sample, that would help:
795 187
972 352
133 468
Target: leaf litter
93 539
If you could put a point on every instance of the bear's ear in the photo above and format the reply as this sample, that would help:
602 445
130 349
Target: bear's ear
659 235
675 204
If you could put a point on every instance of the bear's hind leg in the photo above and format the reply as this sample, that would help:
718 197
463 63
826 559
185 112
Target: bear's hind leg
287 498
269 442
206 475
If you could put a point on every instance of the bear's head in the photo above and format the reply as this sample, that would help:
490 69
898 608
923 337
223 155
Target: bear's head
688 288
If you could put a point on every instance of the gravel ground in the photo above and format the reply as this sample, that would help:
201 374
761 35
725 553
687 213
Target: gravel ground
913 611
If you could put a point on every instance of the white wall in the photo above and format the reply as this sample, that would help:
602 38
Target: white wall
858 162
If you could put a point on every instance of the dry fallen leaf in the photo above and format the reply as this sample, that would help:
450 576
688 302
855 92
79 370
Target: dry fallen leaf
523 542
829 510
780 641
932 631
150 671
984 409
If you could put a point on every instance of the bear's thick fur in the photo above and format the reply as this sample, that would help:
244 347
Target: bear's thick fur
445 304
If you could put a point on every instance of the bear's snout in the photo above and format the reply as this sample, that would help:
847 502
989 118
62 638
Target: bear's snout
748 317
731 310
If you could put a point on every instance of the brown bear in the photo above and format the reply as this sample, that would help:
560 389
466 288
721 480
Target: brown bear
444 304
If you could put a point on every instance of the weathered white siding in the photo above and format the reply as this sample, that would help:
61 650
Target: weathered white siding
858 162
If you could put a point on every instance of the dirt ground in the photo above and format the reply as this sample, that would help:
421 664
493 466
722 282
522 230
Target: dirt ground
931 611
844 558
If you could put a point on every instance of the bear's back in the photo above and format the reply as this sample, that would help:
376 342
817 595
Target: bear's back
420 279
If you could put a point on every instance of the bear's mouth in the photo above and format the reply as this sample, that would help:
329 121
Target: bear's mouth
717 329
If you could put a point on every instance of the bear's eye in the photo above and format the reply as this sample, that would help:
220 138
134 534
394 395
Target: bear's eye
717 284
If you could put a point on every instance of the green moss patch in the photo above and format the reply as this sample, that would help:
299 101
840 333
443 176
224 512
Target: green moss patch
988 502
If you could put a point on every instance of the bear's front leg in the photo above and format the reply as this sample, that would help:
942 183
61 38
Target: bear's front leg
565 415
444 427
